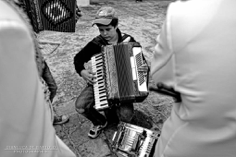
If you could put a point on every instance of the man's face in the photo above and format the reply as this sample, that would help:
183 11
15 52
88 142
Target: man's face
108 32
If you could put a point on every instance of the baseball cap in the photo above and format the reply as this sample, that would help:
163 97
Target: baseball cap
105 15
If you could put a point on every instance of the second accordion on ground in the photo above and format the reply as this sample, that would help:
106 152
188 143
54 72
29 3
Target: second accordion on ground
134 141
122 75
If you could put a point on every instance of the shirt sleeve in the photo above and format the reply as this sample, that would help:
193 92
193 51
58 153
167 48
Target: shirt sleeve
162 63
85 55
24 114
17 65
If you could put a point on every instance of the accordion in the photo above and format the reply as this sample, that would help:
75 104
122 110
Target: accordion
122 75
54 15
131 140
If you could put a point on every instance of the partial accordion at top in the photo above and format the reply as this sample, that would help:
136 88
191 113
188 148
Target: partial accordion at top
122 75
134 141
54 15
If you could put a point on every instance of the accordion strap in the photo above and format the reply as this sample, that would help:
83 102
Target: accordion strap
99 40
125 37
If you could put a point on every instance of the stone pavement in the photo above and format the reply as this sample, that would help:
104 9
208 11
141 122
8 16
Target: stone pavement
142 20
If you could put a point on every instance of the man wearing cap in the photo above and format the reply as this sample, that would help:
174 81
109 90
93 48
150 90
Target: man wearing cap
106 21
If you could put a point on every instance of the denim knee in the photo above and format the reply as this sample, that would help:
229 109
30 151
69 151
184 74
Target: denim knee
85 100
79 107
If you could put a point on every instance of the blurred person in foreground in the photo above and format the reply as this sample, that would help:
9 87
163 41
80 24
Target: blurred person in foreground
196 55
25 118
45 74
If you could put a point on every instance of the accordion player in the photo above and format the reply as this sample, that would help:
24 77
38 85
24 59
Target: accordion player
122 75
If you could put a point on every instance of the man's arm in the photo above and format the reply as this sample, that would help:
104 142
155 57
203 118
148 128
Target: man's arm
85 55
162 63
48 78
19 86
17 64
24 115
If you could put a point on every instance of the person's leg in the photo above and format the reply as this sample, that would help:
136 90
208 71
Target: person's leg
125 112
111 115
84 106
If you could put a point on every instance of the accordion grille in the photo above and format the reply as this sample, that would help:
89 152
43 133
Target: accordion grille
124 73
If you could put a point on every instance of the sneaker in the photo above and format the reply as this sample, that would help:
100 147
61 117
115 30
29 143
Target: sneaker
60 119
96 130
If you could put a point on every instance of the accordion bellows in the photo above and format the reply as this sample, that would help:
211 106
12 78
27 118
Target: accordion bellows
120 83
54 15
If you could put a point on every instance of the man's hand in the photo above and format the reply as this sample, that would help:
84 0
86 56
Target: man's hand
88 76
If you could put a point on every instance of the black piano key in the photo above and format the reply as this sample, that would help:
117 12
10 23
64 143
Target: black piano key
99 65
103 104
102 97
100 84
99 61
103 92
99 73
100 80
100 77
100 88
98 58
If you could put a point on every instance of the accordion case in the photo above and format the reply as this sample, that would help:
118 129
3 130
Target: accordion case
54 15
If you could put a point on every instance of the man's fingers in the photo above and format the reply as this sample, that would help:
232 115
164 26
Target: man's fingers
93 73
91 77
90 82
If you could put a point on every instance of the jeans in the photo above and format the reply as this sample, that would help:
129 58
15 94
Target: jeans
85 106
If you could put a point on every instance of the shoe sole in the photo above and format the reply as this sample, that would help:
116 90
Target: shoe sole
62 122
93 137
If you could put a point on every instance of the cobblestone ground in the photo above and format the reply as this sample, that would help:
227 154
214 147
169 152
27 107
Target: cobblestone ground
142 20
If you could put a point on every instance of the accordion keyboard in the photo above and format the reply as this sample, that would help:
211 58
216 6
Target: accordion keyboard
99 87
